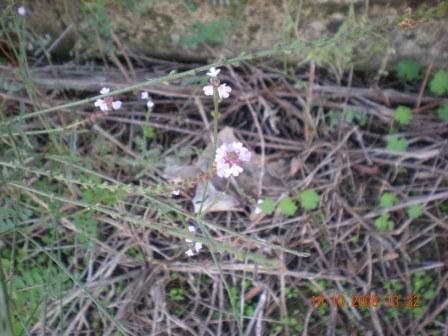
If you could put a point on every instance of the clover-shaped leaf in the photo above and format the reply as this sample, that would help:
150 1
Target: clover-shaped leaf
309 199
408 69
403 115
384 223
396 144
287 206
267 206
388 200
439 83
414 211
442 112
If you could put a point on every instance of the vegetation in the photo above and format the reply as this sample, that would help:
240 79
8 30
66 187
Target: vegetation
242 197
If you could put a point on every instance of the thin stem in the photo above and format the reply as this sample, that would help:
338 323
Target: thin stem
5 315
215 125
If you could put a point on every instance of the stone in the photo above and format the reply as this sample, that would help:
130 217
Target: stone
193 30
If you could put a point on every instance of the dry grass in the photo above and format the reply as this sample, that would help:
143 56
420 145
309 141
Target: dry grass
133 265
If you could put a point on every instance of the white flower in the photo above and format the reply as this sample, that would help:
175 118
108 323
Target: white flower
150 104
101 104
175 192
228 157
116 105
107 103
193 248
257 210
197 249
21 10
213 72
104 90
191 228
197 246
224 91
144 95
208 90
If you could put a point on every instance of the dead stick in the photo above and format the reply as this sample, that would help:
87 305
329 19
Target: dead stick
422 87
309 103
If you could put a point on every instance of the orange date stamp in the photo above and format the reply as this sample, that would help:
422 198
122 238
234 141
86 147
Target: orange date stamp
371 300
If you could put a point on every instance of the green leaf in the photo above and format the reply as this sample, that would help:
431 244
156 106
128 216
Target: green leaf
355 238
176 294
439 83
442 112
397 144
287 207
383 223
429 294
149 132
408 69
414 211
309 199
417 311
267 206
388 200
443 208
403 115
349 115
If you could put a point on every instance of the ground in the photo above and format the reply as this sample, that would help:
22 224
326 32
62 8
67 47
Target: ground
114 221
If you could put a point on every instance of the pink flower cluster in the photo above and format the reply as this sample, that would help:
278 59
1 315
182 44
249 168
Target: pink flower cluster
229 158
223 90
107 103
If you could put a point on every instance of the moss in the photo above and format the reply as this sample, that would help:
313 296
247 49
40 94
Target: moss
441 10
425 11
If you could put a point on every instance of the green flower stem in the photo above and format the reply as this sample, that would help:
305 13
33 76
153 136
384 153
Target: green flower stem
5 314
215 115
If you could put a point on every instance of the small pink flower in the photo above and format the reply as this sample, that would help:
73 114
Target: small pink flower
229 157
213 72
107 103
104 90
150 104
224 91
144 95
21 10
208 90
116 105
197 247
101 104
